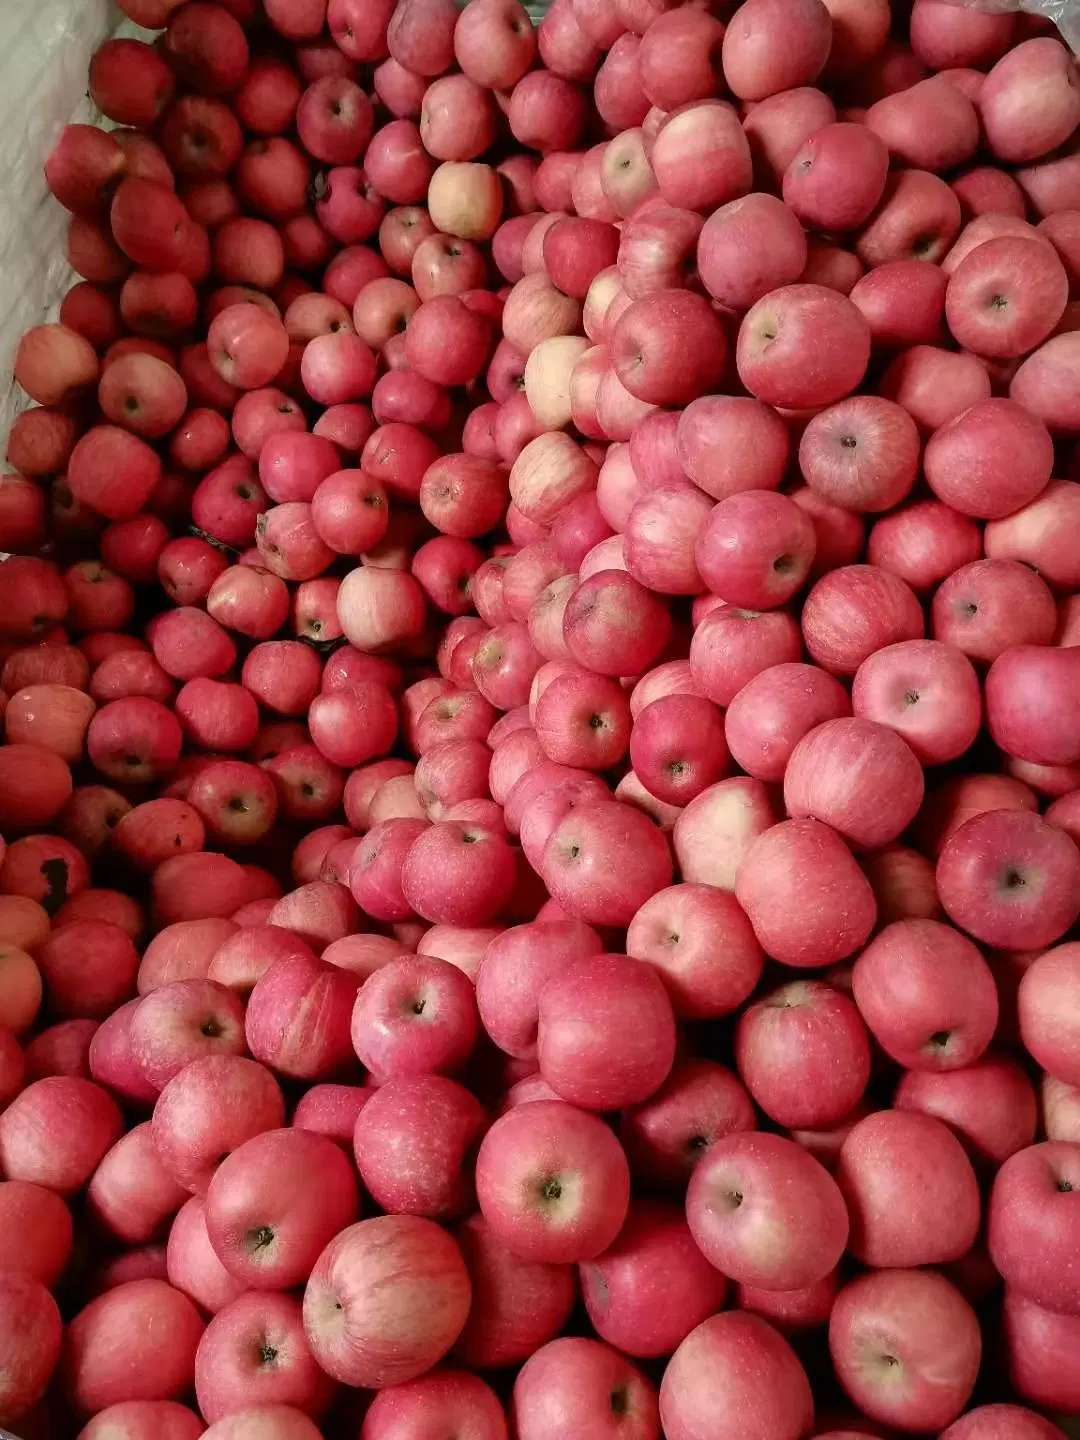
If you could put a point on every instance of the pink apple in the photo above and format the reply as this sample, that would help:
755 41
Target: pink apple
766 1213
906 1347
911 1192
991 1105
601 1389
804 1055
606 1033
702 945
735 1378
552 1182
1010 879
517 1304
787 866
386 1300
260 1229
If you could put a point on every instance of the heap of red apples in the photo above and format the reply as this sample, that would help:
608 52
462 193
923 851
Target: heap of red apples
540 673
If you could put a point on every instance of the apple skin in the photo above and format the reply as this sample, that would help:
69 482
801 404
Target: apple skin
275 1202
253 1351
136 1342
1032 1218
386 1300
803 1053
735 1378
751 1189
1010 880
144 1420
585 1384
857 776
649 1289
518 1305
444 1398
702 946
927 995
1048 1025
914 1321
30 1335
991 1105
786 874
552 1182
1002 1422
434 1121
606 1032
1039 1346
910 1190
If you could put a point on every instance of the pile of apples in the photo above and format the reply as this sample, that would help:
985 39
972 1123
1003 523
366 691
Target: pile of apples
540 663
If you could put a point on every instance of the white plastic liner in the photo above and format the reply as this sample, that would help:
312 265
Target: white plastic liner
45 49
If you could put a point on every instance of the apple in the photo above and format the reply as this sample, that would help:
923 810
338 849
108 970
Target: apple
254 1349
1010 879
1046 1022
603 860
135 1342
298 1016
266 1422
906 1347
804 1055
515 968
191 1262
910 1190
552 1183
386 1300
988 607
991 1105
518 1305
784 868
142 1420
702 945
1001 1422
592 1382
927 995
1030 703
131 1194
654 1251
755 549
751 1189
1029 1219
734 1375
56 1132
414 1016
210 1108
258 1230
1038 1343
606 1032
